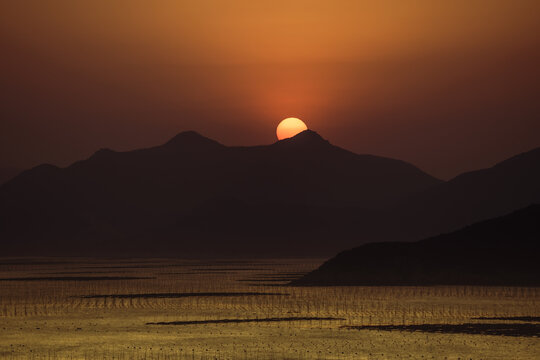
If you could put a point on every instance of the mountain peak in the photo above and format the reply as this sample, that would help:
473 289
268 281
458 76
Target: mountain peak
306 137
309 134
191 139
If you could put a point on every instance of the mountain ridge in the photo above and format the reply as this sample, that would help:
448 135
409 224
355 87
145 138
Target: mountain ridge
126 197
192 193
477 195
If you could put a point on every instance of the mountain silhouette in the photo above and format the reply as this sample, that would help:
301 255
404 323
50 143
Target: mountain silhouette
474 196
500 251
195 195
8 173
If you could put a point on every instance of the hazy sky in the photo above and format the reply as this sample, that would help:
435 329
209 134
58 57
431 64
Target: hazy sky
450 86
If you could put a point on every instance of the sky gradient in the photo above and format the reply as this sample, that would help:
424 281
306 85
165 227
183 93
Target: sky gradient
449 86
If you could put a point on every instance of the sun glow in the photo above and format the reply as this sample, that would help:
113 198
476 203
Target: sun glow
290 127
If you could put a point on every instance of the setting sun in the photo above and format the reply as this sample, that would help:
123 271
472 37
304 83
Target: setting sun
289 128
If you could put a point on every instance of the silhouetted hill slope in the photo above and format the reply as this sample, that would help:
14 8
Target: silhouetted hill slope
500 251
193 194
478 195
8 173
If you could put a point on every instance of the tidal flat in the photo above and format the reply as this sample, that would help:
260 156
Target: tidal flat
244 309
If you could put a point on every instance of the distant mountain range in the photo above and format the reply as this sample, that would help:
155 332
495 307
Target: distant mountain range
500 251
473 196
193 196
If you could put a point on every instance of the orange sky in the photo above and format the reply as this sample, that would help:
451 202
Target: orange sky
447 85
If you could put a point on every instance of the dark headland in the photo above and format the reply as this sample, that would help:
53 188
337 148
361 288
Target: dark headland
501 251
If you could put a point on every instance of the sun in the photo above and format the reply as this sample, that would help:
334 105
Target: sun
289 127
